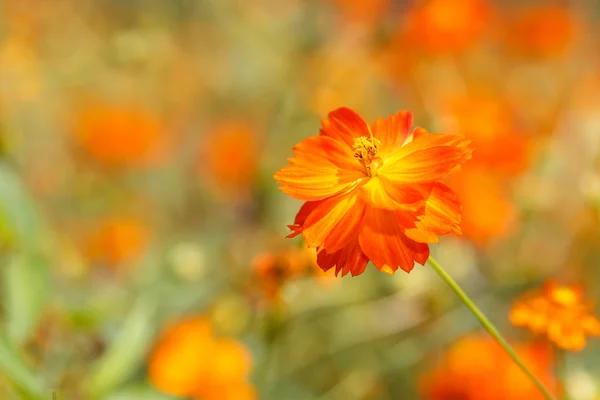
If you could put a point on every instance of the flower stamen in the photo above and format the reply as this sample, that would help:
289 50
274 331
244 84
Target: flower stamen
365 151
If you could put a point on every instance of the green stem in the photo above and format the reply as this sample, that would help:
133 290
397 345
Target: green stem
560 366
488 325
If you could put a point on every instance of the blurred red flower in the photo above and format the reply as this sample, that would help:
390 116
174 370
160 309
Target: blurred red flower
373 193
477 368
559 311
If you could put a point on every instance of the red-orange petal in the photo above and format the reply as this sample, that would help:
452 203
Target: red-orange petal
333 222
344 125
383 240
442 216
426 159
392 131
303 213
348 259
322 167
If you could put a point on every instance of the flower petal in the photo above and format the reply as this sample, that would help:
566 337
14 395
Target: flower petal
427 158
392 132
442 216
334 222
322 167
303 213
344 125
383 240
348 259
380 192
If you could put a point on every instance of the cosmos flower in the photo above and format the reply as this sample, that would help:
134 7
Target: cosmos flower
229 160
120 137
365 11
118 240
543 29
440 26
559 311
189 361
465 369
373 193
277 267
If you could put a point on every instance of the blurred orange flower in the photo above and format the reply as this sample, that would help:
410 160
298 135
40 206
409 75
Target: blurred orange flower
500 146
230 159
275 268
120 136
367 11
501 152
118 240
477 368
439 26
558 311
373 193
189 361
488 211
543 29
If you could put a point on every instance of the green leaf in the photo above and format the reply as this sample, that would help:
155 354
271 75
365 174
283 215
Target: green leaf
127 350
13 366
26 291
136 392
19 220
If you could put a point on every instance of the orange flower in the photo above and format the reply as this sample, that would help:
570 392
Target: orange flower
189 361
118 240
119 137
276 268
230 159
558 311
545 29
489 123
447 25
465 370
488 211
367 11
373 193
502 152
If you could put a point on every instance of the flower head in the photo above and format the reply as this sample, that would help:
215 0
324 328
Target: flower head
189 361
118 240
447 25
546 29
276 268
363 11
229 159
465 369
558 311
373 192
120 136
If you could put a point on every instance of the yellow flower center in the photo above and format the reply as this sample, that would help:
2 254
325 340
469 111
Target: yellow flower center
564 296
365 151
